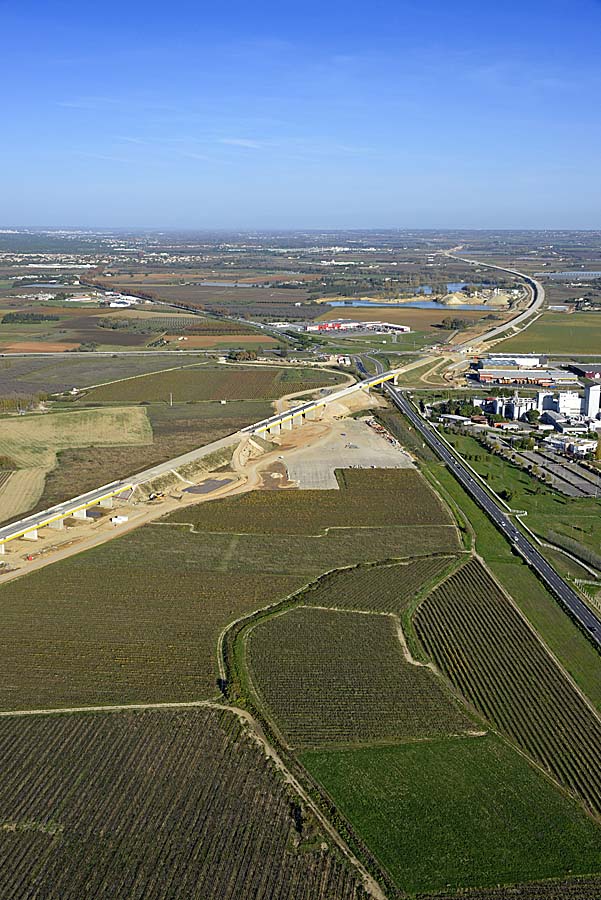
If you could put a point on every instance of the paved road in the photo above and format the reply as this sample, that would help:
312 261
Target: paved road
538 298
568 597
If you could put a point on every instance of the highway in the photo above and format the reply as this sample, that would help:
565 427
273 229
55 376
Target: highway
538 298
562 590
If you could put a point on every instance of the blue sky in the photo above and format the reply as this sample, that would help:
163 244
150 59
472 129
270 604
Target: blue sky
330 114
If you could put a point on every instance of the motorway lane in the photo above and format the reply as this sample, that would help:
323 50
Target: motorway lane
568 597
538 297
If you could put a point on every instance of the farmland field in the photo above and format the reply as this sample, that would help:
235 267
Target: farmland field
577 888
457 812
21 492
479 640
567 642
37 375
246 301
175 430
382 497
423 320
333 678
72 637
154 804
577 333
380 588
223 383
32 442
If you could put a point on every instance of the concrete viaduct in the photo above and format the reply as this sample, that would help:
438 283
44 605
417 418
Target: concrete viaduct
27 528
296 415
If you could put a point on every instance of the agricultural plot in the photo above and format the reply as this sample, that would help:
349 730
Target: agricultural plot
479 640
378 588
37 375
558 333
20 492
176 430
554 889
32 442
378 498
305 555
224 383
459 812
71 636
154 805
246 301
332 678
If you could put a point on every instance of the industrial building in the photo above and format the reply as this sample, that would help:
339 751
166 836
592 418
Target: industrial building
528 361
573 445
587 370
341 325
539 377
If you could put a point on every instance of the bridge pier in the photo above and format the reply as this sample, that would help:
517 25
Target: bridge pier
287 425
107 503
80 514
58 524
30 535
274 429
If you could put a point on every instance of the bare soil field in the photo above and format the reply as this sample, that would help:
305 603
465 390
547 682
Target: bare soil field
417 319
224 340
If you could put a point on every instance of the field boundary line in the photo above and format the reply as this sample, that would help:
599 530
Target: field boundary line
113 707
140 375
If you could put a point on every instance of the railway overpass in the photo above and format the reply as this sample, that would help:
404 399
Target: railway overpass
296 415
27 529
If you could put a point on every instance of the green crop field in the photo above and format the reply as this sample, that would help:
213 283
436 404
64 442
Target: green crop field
558 333
155 804
458 812
330 677
479 640
383 497
222 383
